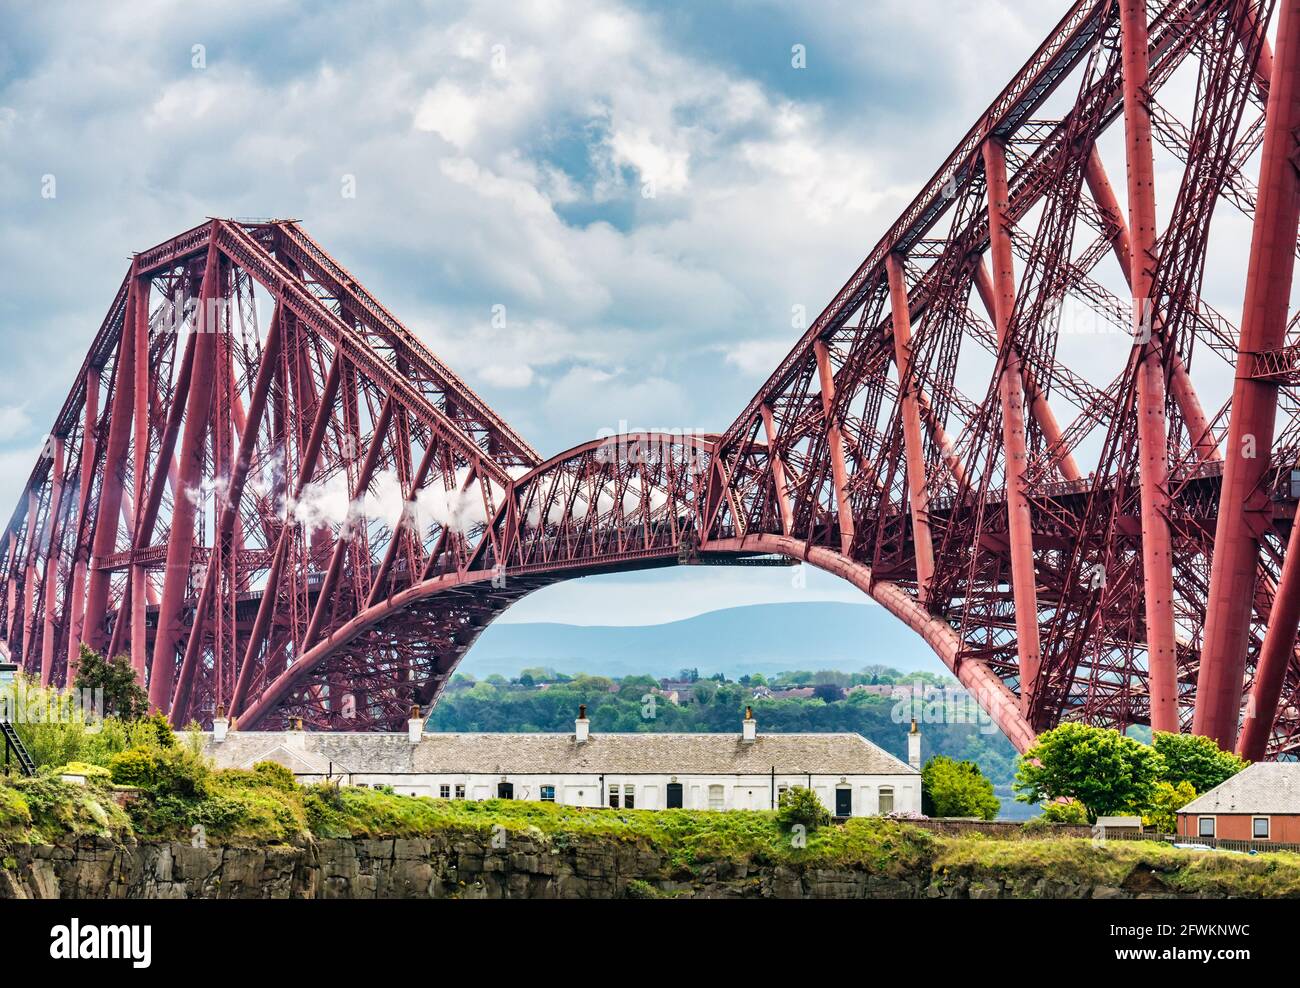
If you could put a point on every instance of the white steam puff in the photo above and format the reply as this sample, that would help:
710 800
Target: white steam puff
327 503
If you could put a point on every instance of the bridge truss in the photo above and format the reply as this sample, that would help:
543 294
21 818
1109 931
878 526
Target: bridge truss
1020 426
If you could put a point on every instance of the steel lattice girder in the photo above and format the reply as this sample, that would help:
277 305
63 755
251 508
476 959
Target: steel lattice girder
309 515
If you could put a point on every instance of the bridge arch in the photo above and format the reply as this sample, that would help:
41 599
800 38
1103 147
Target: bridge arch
680 470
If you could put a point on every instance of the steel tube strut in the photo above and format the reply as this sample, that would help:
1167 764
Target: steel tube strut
138 309
1243 504
402 529
110 495
230 513
915 452
1063 460
778 470
1274 656
77 603
306 469
325 596
1157 557
1184 392
839 471
54 526
1015 453
180 542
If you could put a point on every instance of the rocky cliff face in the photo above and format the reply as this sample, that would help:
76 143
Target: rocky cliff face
461 866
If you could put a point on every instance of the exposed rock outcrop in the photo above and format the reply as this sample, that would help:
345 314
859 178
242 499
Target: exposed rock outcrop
458 865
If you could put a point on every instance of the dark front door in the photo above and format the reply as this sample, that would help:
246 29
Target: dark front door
674 795
844 802
505 790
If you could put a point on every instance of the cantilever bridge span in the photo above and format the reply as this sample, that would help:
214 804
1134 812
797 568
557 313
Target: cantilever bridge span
276 500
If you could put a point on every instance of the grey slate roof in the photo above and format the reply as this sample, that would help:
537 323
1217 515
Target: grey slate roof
1263 788
537 754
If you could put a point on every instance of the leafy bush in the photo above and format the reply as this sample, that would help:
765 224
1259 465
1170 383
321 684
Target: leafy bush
1196 760
1162 814
1104 770
59 810
112 736
84 768
275 775
1069 811
15 815
952 788
121 690
56 730
134 767
801 806
165 736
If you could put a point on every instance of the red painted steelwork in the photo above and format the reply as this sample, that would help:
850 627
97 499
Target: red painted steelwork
319 522
1243 508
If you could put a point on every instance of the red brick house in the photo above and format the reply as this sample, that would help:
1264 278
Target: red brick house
1260 804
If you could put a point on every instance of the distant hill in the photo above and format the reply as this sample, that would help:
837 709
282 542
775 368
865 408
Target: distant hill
767 639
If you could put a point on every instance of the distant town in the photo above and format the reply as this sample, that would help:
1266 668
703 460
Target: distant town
876 701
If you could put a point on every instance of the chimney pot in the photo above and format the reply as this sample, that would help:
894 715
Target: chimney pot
415 726
749 727
914 747
581 726
220 726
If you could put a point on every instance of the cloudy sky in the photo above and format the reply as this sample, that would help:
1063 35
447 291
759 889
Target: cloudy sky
648 189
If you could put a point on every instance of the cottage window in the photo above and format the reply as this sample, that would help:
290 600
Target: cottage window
1259 828
629 801
613 796
886 800
717 800
460 792
444 792
548 794
1205 826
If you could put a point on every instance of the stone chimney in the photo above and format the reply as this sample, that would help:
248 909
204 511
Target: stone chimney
415 726
581 726
914 746
749 726
220 725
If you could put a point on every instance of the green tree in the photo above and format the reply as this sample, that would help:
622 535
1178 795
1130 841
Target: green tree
1196 760
123 696
826 692
1162 812
952 788
800 806
1069 811
1104 770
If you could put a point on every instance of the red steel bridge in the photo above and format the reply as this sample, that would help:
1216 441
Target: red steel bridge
276 500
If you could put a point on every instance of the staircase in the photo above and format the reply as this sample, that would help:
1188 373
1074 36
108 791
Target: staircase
12 741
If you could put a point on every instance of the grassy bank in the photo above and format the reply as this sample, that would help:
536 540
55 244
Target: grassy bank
265 806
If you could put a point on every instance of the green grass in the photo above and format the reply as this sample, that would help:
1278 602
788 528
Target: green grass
1117 862
687 837
45 810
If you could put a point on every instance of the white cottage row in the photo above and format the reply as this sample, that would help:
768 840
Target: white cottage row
851 776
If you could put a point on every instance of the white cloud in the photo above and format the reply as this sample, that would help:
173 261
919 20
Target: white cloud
665 169
450 112
14 421
755 357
